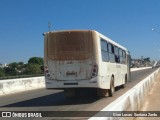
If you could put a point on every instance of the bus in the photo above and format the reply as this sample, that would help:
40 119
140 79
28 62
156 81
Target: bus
79 59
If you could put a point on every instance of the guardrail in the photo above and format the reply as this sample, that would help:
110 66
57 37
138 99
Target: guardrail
130 101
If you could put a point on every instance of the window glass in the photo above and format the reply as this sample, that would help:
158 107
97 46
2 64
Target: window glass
104 51
116 50
110 48
124 54
124 57
120 52
111 57
103 45
117 60
111 53
105 56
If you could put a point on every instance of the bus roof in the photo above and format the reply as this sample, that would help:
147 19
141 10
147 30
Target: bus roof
111 41
100 35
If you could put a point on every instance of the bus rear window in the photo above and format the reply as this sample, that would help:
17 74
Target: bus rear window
75 45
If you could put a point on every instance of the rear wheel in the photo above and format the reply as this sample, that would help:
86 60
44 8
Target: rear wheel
112 89
124 85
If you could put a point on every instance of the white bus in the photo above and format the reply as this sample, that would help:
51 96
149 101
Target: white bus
78 59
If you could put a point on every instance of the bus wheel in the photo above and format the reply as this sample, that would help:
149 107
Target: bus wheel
124 85
112 89
69 93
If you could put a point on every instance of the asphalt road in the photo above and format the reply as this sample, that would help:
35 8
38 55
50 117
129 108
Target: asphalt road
54 100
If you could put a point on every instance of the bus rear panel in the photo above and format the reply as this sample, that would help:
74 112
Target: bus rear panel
69 60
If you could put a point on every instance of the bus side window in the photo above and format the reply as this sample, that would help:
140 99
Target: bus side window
121 55
124 57
104 51
111 52
117 59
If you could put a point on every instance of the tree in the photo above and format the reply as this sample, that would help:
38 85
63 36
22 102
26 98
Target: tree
20 63
2 74
36 60
13 65
9 71
20 66
34 66
147 59
32 69
14 69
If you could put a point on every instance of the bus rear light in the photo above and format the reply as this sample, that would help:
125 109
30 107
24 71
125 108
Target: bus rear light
47 73
94 70
46 67
95 66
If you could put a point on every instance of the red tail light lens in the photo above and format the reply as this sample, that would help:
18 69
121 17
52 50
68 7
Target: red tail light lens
94 70
47 73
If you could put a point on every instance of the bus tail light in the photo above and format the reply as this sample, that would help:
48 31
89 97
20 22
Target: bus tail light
47 73
94 70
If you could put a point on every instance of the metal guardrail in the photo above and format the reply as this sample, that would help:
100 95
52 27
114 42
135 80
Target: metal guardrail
20 76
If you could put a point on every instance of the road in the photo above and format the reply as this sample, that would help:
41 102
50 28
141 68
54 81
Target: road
54 100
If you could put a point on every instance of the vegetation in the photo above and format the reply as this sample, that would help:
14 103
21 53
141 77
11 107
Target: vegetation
33 67
141 62
2 74
147 59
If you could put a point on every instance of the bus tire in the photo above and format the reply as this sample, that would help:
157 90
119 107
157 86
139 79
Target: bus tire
125 83
112 89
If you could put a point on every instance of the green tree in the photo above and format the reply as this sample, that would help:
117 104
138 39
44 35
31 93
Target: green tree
21 63
2 74
9 71
34 66
13 65
36 60
32 69
20 67
14 69
147 59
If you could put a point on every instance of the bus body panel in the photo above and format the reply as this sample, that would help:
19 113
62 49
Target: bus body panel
61 84
78 73
109 69
70 69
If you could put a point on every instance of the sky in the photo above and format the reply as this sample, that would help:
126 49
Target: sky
128 22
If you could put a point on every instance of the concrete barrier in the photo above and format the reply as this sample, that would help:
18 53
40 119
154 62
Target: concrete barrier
130 101
21 84
142 68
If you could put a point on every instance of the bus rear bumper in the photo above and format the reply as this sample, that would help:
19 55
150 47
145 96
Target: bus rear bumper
60 84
